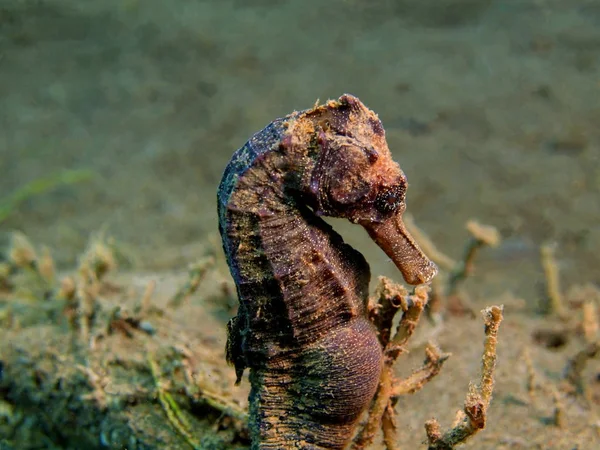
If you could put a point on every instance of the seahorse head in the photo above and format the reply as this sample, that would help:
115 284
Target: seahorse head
355 177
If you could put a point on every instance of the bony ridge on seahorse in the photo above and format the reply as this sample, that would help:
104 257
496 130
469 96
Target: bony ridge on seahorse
302 327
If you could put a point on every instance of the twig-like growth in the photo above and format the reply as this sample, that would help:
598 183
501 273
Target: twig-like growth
220 403
95 263
98 383
24 259
381 414
478 399
589 323
447 285
46 266
21 253
436 300
196 274
553 291
558 417
87 294
366 436
481 236
413 307
175 415
197 388
434 359
147 297
532 379
5 272
98 259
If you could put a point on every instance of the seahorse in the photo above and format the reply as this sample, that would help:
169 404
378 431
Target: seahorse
302 326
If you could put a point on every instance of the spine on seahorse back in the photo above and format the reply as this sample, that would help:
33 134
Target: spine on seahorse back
301 327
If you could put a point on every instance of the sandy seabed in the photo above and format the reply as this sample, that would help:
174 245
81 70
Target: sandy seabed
491 108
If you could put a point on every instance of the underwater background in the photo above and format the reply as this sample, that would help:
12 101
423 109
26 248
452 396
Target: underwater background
491 108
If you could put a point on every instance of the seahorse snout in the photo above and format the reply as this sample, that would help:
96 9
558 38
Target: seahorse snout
394 239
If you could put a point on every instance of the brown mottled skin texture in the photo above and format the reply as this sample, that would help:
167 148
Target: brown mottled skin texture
302 327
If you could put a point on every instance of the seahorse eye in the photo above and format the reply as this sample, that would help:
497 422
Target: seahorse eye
389 199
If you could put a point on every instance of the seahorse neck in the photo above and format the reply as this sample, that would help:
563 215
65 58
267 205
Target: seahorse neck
291 265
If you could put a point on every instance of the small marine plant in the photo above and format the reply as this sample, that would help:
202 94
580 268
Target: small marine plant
38 187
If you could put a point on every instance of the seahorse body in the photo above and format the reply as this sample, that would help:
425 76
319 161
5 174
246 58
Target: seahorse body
301 328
